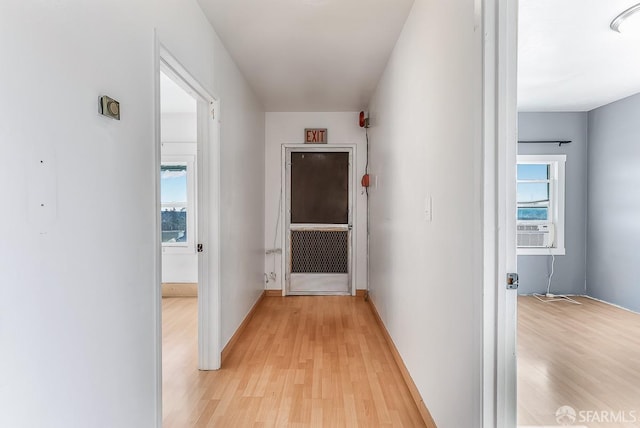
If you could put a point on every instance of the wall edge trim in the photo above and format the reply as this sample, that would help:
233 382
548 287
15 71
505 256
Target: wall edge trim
179 289
609 303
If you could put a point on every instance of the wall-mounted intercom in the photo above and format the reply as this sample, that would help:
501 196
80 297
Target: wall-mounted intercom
109 107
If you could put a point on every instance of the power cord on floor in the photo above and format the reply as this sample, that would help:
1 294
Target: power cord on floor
550 297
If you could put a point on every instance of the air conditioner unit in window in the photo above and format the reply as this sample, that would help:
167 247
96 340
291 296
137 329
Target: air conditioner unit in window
535 235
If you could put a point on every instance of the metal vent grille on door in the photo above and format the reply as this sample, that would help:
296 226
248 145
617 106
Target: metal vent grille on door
316 251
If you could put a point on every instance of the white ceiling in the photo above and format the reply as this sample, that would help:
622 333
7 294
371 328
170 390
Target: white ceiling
174 99
327 55
569 58
310 55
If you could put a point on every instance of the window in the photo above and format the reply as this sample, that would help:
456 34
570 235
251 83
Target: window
177 209
540 204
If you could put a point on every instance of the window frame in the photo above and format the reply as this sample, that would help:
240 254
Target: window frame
557 184
187 247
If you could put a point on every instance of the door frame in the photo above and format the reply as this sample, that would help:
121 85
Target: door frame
500 116
208 215
285 218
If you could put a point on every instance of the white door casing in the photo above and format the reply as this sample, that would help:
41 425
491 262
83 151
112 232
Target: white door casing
500 22
208 216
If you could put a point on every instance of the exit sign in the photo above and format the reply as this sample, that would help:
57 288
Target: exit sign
315 136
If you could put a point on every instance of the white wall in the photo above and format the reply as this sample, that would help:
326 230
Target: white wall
179 127
77 314
179 133
342 128
569 270
179 268
426 277
613 230
242 201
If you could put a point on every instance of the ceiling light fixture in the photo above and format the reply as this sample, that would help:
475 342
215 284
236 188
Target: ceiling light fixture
619 20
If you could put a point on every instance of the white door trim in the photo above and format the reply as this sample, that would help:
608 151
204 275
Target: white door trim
500 24
208 206
353 215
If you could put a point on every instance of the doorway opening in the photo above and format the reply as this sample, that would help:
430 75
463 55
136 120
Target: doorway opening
178 218
574 137
178 185
187 216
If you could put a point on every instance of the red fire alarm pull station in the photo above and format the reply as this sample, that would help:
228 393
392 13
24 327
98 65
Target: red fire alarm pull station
365 180
364 120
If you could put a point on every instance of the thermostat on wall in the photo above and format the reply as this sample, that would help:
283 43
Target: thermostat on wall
109 107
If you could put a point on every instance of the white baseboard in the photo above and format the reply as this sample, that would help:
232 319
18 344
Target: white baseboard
175 289
612 304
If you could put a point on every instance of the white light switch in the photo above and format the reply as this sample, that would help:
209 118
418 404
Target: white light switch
375 181
428 209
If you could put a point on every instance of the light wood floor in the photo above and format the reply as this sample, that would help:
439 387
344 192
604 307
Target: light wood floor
584 356
301 362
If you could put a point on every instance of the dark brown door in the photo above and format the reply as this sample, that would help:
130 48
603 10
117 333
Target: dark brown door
319 222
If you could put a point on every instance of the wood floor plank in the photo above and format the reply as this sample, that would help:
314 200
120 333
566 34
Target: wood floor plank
584 356
302 361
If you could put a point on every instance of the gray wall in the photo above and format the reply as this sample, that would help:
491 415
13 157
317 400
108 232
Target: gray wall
614 203
569 272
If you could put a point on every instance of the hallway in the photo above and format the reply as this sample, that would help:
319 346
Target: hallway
302 361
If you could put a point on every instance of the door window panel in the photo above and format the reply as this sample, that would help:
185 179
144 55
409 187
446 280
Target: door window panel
320 188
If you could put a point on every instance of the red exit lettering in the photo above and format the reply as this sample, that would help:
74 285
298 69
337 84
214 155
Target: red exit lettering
316 136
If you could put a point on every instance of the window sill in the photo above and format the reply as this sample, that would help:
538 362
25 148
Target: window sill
178 249
541 252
